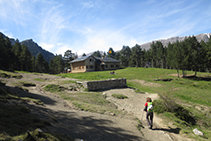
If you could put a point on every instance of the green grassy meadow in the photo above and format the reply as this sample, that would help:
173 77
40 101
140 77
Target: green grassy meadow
188 90
193 94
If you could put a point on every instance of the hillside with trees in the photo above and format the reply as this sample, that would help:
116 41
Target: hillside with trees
35 49
29 56
200 37
189 53
18 57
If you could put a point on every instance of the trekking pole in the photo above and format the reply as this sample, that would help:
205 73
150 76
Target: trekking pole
142 120
142 116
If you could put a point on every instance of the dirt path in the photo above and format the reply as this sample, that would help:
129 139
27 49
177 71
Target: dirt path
134 104
94 126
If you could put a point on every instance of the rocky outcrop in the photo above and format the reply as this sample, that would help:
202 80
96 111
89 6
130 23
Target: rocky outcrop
205 37
35 49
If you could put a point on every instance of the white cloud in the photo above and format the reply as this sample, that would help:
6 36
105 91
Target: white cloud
47 46
6 33
17 11
179 29
93 25
87 4
62 48
58 48
82 51
86 30
104 39
52 23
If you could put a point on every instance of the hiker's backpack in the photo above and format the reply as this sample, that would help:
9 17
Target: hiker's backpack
149 107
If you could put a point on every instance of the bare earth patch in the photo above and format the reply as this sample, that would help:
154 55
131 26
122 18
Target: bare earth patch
144 83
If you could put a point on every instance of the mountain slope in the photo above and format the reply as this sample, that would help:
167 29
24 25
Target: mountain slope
205 37
35 49
11 39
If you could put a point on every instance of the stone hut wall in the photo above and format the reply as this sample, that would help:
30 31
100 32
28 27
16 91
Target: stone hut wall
105 84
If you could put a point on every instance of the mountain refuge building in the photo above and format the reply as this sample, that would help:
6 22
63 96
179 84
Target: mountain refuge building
92 63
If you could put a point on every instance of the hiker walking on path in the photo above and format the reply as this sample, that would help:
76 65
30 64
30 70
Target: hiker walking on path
149 109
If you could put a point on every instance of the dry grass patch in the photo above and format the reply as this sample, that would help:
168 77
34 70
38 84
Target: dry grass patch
91 101
145 83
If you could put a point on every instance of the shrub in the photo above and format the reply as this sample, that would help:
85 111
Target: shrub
2 83
54 88
11 75
159 106
119 96
27 84
185 115
4 75
167 104
17 76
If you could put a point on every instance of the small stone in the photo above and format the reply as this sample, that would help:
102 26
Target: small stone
78 139
113 114
39 130
197 132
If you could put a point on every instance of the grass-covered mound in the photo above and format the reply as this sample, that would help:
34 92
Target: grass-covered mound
5 74
54 88
119 96
86 101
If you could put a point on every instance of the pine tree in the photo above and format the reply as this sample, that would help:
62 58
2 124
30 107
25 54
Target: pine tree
175 56
68 56
41 65
33 67
6 54
208 55
159 49
191 53
153 54
25 58
111 53
16 49
9 54
56 65
136 54
146 58
97 54
125 54
203 56
117 56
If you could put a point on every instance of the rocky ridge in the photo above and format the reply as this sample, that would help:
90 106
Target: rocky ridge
205 37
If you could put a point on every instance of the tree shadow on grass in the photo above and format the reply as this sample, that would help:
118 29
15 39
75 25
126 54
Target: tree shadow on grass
22 93
15 114
196 78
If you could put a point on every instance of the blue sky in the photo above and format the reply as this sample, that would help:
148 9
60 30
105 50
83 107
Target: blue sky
84 26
